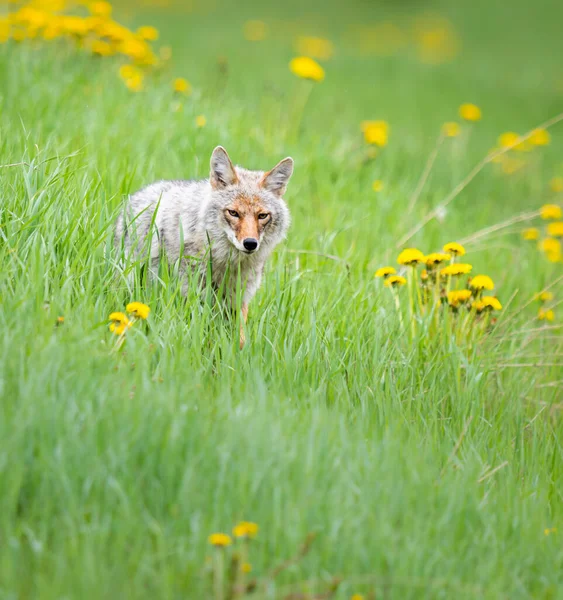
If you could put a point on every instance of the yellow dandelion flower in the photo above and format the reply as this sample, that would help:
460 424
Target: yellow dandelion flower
119 322
135 83
246 567
316 47
245 529
456 269
436 258
555 229
395 281
410 256
549 530
255 31
385 272
451 129
548 245
220 540
128 72
102 48
60 320
138 309
182 86
424 274
200 121
456 297
487 302
508 139
482 282
377 185
470 112
101 9
376 132
530 234
357 597
454 248
307 68
540 137
546 315
544 296
556 185
148 33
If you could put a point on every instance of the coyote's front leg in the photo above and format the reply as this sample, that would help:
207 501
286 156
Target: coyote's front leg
244 314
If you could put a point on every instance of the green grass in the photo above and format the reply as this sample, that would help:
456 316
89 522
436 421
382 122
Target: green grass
114 468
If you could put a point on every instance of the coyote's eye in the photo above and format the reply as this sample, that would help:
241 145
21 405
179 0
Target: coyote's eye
233 213
263 216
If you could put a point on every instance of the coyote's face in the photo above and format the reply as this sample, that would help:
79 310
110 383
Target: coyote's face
247 206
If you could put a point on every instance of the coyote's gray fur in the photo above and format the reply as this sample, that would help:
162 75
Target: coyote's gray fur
235 218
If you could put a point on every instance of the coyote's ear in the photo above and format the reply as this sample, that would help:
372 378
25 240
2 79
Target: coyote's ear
276 180
222 170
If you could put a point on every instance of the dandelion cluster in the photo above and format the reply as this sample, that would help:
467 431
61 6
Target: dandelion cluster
90 27
514 159
120 322
550 245
443 286
546 311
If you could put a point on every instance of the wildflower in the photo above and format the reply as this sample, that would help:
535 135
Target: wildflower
508 139
555 229
246 567
482 282
385 272
128 72
532 233
454 248
546 315
456 297
395 281
424 275
101 9
200 121
307 68
102 48
451 129
182 86
487 302
376 132
556 184
357 597
410 256
552 248
377 185
255 31
148 33
470 112
220 540
135 83
316 47
60 321
119 323
539 137
456 269
138 309
245 529
436 258
549 530
544 296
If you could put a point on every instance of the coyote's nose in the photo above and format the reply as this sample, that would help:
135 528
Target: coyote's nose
250 244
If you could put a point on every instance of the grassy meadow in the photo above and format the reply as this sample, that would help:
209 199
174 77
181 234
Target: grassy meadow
424 454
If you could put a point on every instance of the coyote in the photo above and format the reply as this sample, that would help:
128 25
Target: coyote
234 219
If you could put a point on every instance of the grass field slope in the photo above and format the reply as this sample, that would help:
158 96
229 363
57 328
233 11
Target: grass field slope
393 426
